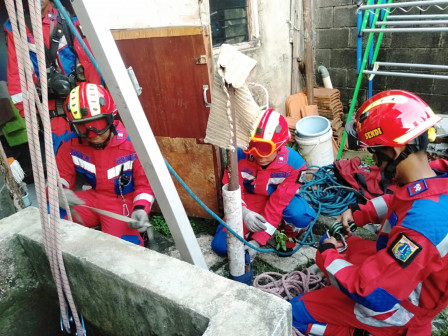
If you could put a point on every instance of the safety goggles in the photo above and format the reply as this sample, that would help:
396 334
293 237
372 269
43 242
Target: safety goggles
92 127
260 147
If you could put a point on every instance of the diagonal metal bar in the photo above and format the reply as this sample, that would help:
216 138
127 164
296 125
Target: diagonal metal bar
125 97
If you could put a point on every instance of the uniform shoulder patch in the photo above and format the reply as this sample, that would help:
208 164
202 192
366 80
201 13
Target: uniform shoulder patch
120 135
404 250
281 158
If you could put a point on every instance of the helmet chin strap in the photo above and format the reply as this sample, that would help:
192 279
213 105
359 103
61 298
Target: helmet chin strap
419 143
391 168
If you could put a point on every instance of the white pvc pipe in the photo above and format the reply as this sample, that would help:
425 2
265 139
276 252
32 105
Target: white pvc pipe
233 215
325 76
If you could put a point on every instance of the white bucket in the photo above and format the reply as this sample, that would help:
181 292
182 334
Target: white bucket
313 136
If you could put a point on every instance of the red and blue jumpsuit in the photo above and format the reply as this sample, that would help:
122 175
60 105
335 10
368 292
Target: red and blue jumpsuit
271 192
66 60
116 180
395 285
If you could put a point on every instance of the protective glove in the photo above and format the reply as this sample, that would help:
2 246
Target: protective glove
72 199
252 252
254 221
142 221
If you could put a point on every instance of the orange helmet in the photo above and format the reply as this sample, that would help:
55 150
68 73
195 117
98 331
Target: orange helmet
391 118
270 134
90 108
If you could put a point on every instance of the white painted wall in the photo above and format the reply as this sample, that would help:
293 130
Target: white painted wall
273 69
139 14
273 55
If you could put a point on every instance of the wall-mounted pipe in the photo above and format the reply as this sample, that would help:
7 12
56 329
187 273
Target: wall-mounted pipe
325 76
309 58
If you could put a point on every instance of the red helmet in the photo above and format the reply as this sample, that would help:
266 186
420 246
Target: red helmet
90 108
391 118
270 134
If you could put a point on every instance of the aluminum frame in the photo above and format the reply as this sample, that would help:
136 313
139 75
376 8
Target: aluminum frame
120 86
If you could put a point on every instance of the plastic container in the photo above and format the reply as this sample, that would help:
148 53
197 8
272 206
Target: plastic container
26 200
313 136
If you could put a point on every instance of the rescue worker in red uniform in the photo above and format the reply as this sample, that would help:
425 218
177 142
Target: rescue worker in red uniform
105 157
268 177
67 64
398 284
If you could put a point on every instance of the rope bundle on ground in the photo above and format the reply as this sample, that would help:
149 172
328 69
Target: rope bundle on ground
324 192
289 285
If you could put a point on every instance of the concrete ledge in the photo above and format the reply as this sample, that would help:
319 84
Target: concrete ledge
124 289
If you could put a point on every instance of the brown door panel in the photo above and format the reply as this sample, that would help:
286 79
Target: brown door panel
168 65
171 82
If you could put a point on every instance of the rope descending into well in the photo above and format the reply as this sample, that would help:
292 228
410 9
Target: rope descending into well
289 285
50 222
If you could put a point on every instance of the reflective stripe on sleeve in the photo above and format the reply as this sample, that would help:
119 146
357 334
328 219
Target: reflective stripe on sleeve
144 196
84 164
318 329
380 207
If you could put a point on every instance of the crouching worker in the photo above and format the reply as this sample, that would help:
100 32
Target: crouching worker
398 284
105 157
268 177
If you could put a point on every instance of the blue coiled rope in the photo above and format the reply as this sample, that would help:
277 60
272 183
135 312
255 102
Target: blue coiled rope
324 192
308 233
316 191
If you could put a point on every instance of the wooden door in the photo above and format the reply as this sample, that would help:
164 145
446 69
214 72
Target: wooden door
172 65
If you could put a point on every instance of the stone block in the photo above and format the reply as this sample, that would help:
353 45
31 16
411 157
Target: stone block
353 37
414 40
440 87
334 3
338 77
343 58
332 38
416 85
324 18
344 16
322 57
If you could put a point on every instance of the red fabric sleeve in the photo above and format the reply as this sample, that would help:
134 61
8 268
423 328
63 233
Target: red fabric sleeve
278 201
66 166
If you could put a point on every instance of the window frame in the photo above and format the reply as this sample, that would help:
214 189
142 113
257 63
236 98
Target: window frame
253 28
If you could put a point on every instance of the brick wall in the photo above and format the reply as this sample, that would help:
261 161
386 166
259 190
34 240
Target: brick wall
335 39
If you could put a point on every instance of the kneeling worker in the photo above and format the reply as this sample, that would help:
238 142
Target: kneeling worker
104 155
268 177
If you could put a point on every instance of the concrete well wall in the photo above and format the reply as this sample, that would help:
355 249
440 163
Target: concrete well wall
124 289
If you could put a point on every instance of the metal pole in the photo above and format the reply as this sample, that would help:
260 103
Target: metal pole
404 74
412 65
410 23
406 4
358 84
422 16
232 201
125 97
296 47
359 41
407 30
309 59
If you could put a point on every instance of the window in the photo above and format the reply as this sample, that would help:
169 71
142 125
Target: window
231 21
